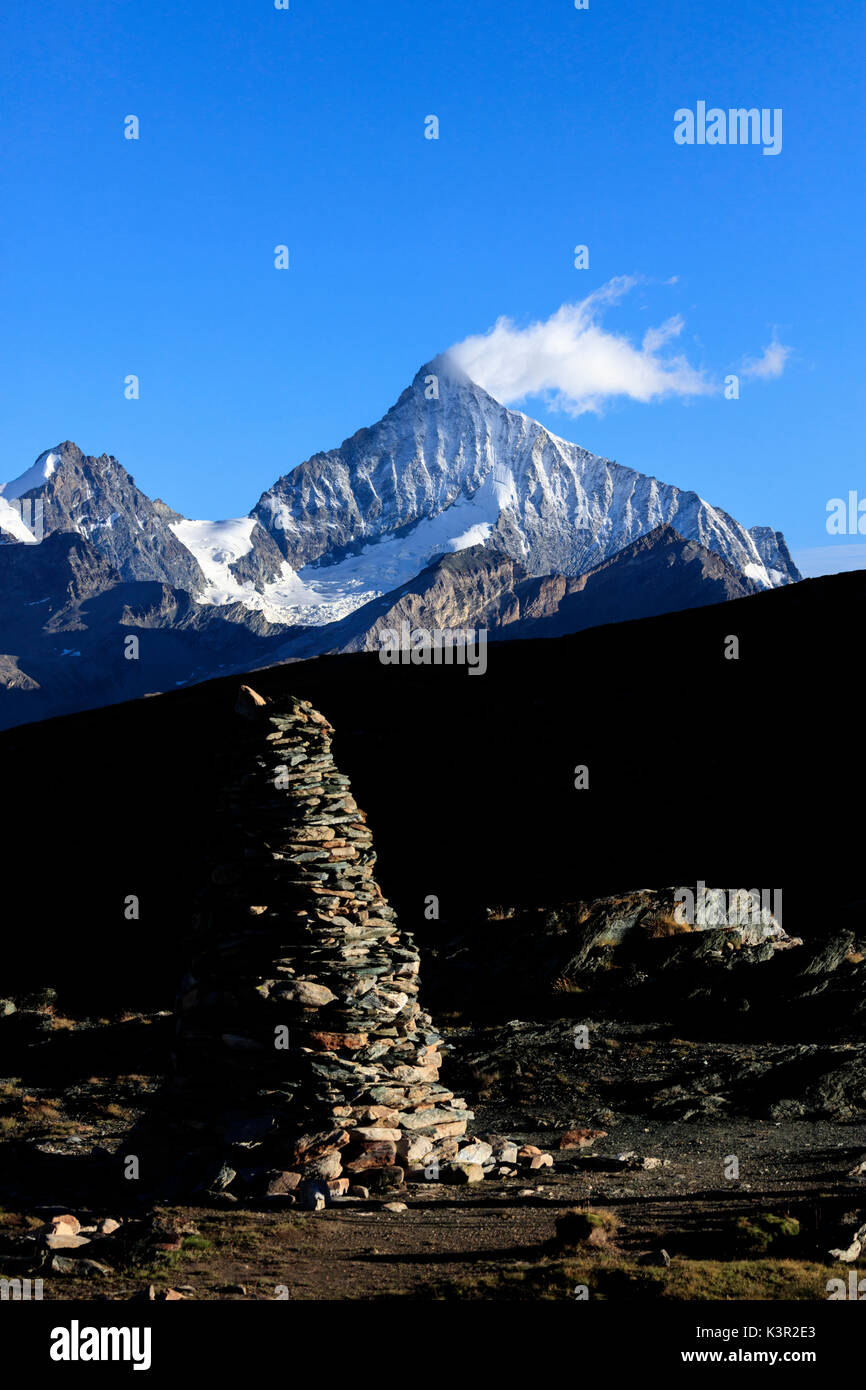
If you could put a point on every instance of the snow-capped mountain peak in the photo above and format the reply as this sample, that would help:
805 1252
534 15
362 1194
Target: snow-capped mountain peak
445 469
449 467
32 477
98 499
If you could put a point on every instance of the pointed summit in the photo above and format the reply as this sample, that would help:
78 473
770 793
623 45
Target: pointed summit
449 467
444 368
34 476
99 500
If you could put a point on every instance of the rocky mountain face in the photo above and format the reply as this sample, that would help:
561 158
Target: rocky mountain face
71 613
658 573
449 462
96 498
450 512
68 616
486 589
58 574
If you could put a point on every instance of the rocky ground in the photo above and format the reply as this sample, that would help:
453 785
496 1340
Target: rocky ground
697 1090
642 1125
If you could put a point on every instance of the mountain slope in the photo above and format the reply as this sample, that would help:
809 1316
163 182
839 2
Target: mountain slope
469 782
552 538
64 636
658 573
444 473
481 588
446 468
99 500
68 614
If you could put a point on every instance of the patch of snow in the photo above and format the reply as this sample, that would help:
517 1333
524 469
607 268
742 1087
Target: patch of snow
384 564
12 521
87 528
319 594
281 517
759 573
217 545
32 477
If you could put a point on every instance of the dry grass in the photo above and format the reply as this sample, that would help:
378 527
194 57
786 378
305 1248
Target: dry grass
664 925
607 1276
564 984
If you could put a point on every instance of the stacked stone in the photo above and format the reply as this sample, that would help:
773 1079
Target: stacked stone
304 1060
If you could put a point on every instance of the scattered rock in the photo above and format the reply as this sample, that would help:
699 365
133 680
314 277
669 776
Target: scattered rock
62 1264
390 1179
313 1196
154 1295
581 1138
219 1178
660 1258
70 1224
505 1150
62 1240
477 1153
281 1183
458 1172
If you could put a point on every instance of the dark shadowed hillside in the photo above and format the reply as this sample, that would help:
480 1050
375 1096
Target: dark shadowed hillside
736 772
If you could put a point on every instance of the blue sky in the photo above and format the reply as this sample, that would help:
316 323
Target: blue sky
262 127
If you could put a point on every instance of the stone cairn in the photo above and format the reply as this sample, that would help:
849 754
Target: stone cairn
304 1063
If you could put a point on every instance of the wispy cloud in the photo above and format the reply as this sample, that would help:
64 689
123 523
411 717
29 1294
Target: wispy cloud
770 364
578 365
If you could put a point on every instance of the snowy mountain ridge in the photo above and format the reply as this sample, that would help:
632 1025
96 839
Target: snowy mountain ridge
447 468
445 471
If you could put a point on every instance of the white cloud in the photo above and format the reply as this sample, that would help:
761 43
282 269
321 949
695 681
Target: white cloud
576 363
654 338
770 364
